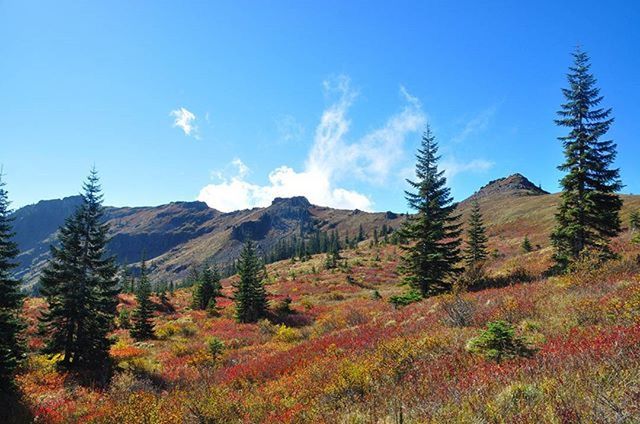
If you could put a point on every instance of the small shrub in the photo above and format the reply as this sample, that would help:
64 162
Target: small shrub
287 334
526 245
181 349
266 327
183 327
459 312
216 348
353 382
499 341
517 397
405 299
124 318
284 306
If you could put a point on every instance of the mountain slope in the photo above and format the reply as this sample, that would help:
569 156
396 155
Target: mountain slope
179 235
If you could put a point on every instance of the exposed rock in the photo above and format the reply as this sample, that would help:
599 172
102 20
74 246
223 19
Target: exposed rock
516 184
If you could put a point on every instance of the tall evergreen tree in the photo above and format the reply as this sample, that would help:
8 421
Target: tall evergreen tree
432 256
588 215
11 325
476 251
142 328
207 289
80 285
250 295
361 234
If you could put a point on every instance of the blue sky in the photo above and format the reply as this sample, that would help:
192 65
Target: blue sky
236 102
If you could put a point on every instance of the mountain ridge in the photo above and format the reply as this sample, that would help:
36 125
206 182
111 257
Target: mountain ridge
179 235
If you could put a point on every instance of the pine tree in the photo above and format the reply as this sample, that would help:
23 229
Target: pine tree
80 285
588 215
207 289
361 234
526 245
11 325
431 259
476 251
634 221
142 328
250 295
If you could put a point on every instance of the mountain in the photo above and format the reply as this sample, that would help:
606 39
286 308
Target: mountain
176 236
513 185
179 235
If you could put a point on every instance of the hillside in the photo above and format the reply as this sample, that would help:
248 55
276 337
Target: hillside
179 235
345 354
340 351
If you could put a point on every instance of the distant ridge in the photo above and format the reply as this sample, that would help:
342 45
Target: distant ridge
179 235
514 185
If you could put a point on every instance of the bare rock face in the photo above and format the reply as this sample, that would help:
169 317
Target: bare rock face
515 185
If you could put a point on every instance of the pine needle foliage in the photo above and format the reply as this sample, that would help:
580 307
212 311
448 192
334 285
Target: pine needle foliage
80 285
431 259
250 295
11 325
476 251
143 327
588 215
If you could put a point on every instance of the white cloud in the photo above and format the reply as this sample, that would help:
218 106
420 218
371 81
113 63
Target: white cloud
184 119
372 158
236 193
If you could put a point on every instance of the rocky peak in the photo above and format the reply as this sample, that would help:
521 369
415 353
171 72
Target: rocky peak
296 201
516 184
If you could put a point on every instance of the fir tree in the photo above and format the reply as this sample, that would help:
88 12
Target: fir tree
142 328
431 259
634 221
250 295
11 325
526 245
361 234
207 289
476 251
80 285
588 215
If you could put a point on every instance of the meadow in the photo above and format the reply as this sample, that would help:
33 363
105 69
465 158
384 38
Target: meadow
336 350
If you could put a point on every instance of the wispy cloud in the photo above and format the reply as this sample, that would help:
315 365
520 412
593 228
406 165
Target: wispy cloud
185 119
475 125
371 158
289 129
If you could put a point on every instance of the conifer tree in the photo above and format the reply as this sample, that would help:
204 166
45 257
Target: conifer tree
526 245
588 215
207 289
634 221
80 285
142 328
11 325
476 251
250 295
431 259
